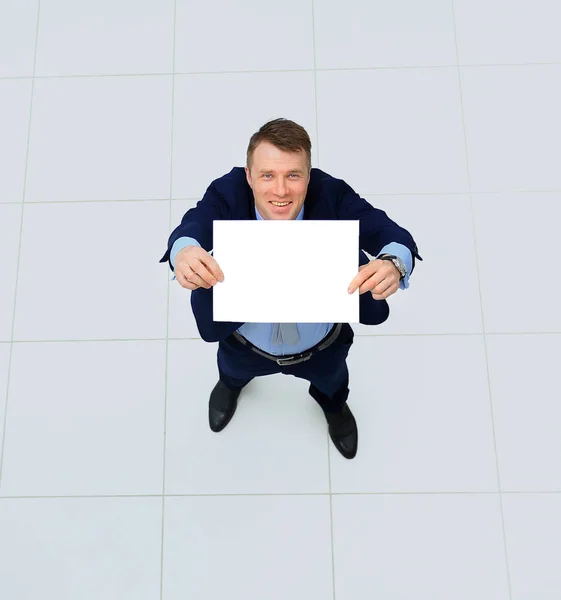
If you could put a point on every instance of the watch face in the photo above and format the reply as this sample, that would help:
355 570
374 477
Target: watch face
400 266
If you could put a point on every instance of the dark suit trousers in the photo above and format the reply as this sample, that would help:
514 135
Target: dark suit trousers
326 370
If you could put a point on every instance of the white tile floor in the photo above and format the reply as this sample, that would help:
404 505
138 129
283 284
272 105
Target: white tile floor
114 117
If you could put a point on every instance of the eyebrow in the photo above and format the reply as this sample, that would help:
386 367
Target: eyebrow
263 171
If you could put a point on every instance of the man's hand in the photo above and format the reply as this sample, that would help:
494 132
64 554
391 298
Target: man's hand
195 268
381 277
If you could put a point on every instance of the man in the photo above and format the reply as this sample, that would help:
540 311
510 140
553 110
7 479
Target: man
279 183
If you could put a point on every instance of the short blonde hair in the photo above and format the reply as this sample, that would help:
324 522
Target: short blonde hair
284 134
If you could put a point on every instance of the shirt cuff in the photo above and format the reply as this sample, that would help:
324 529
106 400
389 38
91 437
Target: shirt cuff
404 253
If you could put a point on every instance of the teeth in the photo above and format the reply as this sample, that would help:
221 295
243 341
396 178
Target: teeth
280 203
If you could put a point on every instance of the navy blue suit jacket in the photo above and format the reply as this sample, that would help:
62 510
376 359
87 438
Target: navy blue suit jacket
327 198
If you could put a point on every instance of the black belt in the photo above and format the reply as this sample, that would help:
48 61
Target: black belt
295 358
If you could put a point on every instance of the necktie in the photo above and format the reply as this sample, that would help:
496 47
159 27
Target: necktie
285 333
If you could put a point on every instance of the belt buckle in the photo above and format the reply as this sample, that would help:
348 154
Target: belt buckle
284 362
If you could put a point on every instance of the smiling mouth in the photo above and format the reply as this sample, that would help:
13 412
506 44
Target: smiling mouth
280 203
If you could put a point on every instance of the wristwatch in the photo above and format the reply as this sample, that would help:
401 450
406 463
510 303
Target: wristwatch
397 262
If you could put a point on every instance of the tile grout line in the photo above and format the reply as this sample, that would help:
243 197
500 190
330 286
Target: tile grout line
332 529
325 69
168 303
281 494
364 195
315 81
5 426
358 335
327 432
472 211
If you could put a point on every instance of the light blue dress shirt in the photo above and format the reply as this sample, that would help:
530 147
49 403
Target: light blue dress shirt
260 334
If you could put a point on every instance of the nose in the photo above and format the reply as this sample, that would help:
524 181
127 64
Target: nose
280 190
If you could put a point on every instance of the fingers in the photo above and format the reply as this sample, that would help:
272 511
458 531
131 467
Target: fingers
376 270
381 274
184 281
385 289
365 272
213 267
205 265
199 267
370 277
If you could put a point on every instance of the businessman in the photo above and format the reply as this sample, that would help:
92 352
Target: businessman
278 182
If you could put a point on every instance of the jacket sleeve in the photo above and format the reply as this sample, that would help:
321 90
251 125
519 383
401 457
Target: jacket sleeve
197 224
376 228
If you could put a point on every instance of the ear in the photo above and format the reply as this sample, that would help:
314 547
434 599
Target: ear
248 177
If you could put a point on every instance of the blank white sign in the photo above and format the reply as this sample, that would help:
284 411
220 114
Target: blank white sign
286 271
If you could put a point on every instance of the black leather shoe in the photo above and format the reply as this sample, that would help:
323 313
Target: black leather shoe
221 406
343 431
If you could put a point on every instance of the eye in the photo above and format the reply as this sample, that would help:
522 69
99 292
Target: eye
294 175
266 175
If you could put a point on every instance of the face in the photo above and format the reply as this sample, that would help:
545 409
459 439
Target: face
279 177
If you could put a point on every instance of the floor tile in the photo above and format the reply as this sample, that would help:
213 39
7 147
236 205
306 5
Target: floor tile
533 534
263 38
137 37
523 370
87 548
4 366
276 442
392 131
504 32
100 138
182 322
273 547
443 230
18 30
99 275
89 422
427 547
371 34
423 414
520 294
15 101
210 109
10 225
513 127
